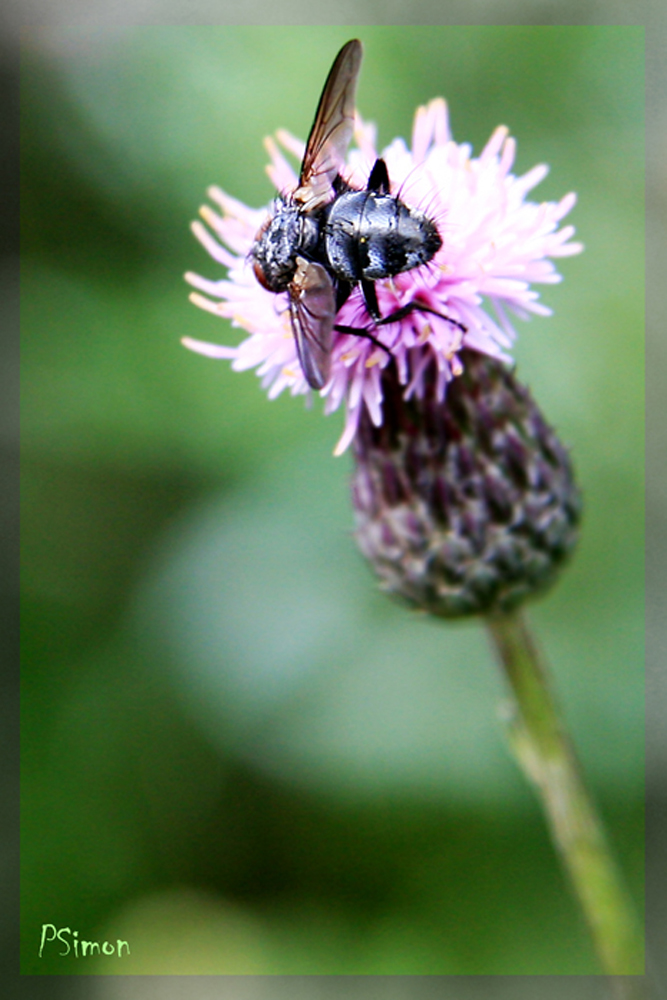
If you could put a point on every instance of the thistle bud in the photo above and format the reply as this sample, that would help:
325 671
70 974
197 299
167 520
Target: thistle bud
467 505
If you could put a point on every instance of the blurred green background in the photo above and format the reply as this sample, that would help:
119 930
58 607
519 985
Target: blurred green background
237 754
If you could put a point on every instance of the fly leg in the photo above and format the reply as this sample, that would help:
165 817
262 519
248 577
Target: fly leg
360 331
370 298
371 301
394 317
405 310
379 178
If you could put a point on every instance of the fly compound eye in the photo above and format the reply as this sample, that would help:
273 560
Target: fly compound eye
259 274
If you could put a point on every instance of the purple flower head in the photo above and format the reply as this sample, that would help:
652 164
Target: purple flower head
495 245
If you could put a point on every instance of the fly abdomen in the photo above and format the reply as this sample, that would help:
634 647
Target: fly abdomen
370 236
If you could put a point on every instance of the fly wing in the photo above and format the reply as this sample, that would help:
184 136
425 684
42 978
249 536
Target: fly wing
332 129
312 312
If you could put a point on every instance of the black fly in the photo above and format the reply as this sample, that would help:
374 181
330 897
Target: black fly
326 237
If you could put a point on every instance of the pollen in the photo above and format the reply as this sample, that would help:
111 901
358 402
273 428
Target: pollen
213 307
208 215
374 359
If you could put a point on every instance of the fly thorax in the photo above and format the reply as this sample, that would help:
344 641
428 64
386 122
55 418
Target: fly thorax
372 236
277 246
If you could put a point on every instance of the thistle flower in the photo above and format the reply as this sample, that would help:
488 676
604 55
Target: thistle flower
496 245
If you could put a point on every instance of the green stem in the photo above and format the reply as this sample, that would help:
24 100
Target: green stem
545 754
